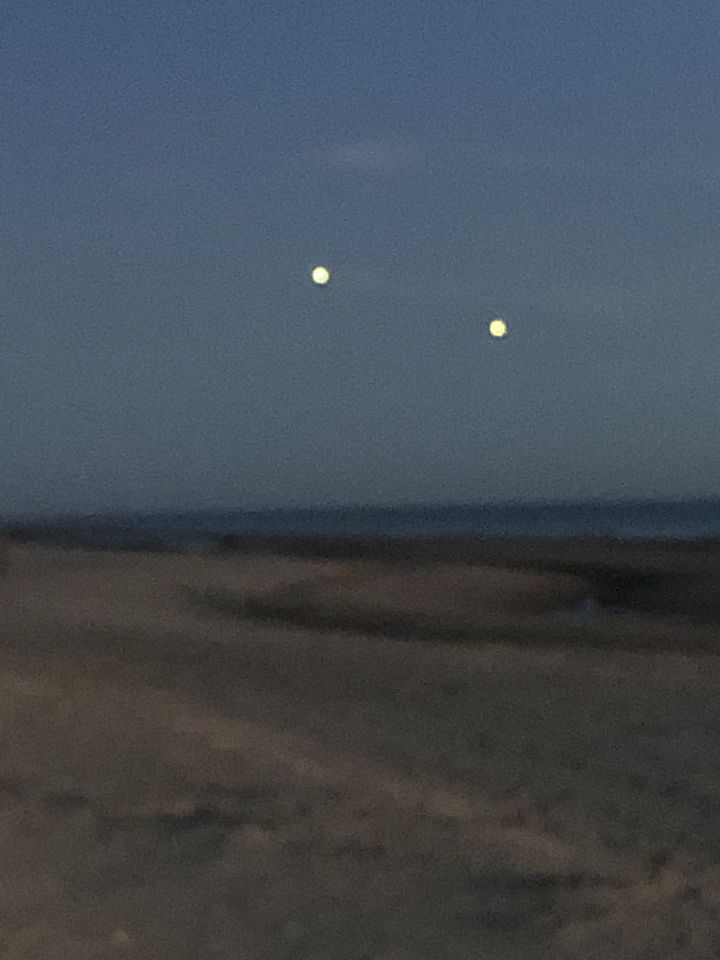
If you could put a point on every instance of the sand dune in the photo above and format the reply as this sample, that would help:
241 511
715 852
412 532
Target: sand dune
179 782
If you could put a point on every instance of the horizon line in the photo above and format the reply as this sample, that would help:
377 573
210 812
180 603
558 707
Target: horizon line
408 506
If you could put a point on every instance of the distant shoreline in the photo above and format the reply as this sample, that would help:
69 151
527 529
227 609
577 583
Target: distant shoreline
688 520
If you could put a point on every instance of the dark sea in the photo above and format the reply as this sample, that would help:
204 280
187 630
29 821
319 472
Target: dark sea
677 520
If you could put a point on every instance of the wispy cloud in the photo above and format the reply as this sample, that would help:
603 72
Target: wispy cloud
386 156
395 156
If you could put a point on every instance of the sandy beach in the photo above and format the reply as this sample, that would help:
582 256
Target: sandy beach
360 751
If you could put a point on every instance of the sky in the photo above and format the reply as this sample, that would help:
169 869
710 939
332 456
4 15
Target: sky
172 170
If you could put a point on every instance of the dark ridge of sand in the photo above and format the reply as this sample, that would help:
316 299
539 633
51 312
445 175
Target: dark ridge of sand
655 576
574 555
663 577
611 632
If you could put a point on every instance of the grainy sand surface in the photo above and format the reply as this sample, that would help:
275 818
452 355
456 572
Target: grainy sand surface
180 781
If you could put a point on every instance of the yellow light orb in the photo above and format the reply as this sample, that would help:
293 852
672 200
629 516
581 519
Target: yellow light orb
498 328
321 276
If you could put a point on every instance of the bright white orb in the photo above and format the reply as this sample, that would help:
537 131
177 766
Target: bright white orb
497 328
321 276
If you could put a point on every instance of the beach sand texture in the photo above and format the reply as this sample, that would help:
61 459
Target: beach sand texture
204 757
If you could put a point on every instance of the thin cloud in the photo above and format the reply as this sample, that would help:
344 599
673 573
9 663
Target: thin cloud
383 156
397 157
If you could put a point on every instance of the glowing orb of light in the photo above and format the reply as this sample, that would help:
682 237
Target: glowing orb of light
321 276
497 328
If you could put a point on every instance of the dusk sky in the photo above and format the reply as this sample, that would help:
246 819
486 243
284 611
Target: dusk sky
171 172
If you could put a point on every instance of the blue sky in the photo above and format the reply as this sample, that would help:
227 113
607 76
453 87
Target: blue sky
171 171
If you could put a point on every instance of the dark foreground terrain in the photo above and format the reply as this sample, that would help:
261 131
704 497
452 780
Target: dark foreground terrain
266 756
